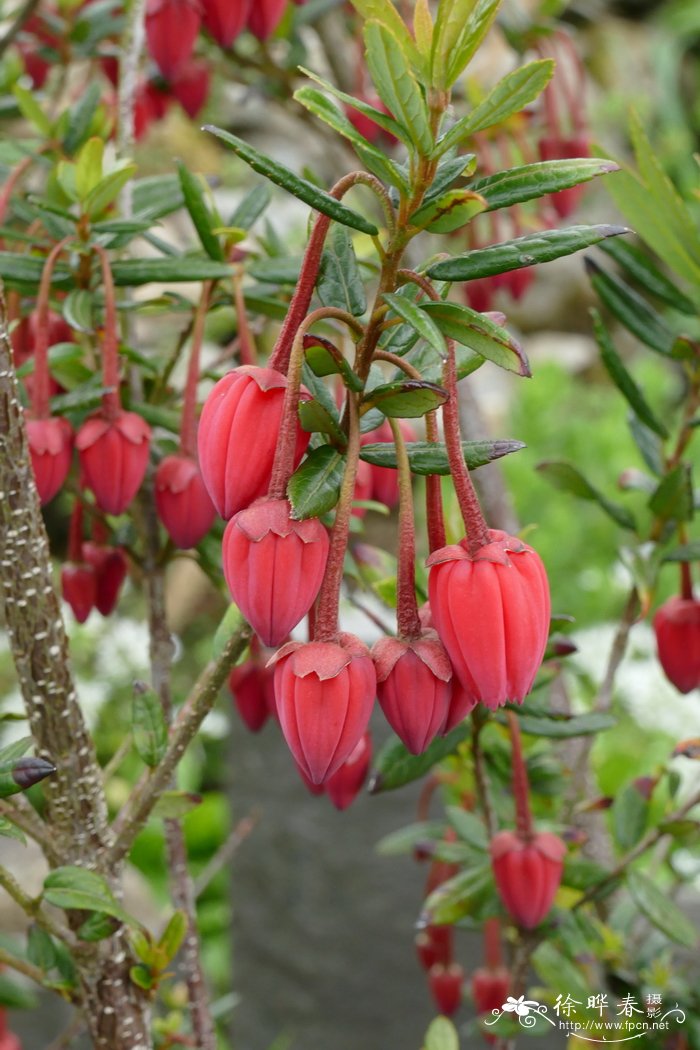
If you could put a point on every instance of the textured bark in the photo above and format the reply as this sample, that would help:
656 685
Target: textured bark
76 812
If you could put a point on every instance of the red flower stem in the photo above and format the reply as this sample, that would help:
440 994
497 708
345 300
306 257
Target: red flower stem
40 388
75 533
477 529
111 401
407 617
301 299
686 581
188 426
576 97
492 944
326 627
283 465
521 790
246 343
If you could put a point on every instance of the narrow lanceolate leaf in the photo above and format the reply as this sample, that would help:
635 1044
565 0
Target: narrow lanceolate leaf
450 212
385 12
407 838
473 31
339 281
646 273
660 909
148 725
451 21
312 195
563 727
531 181
622 378
673 498
131 272
412 314
461 896
72 887
509 96
685 552
568 478
18 270
397 85
423 28
630 816
384 120
529 250
196 204
317 103
251 207
314 487
631 309
406 398
427 457
480 334
396 766
81 117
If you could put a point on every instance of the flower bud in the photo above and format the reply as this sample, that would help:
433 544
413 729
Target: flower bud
182 501
274 566
191 87
491 611
79 589
238 432
110 567
414 686
527 873
445 984
252 689
324 693
677 630
265 16
50 447
435 944
490 989
171 30
225 19
113 457
346 783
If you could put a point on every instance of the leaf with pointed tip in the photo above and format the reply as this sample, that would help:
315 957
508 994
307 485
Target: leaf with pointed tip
642 269
673 498
480 334
315 419
622 378
249 210
411 313
661 911
339 282
568 478
428 457
148 725
529 250
314 487
196 205
684 552
301 188
397 84
132 272
77 888
405 398
384 12
503 189
629 307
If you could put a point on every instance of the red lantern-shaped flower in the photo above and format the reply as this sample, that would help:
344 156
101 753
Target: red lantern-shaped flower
446 984
490 989
225 19
274 566
50 447
434 945
251 686
238 432
677 630
265 16
110 566
171 30
182 501
324 693
346 783
113 457
79 589
491 610
191 86
414 686
528 872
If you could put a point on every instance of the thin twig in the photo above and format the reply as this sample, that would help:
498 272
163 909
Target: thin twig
117 758
226 853
32 908
22 966
21 813
617 651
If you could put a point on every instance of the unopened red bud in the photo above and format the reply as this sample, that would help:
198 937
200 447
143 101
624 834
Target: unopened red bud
490 989
435 944
111 566
182 501
171 31
528 873
51 448
446 984
251 686
225 18
113 457
677 630
79 589
414 687
265 16
191 86
346 783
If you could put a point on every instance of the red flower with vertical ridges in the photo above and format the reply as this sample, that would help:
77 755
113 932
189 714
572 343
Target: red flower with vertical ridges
346 783
528 872
414 687
171 31
677 630
182 501
113 458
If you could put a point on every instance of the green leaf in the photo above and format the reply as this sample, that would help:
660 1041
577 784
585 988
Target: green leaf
9 830
411 313
649 444
511 94
316 419
467 41
383 11
529 250
88 167
381 165
231 623
141 977
426 457
622 378
324 359
460 897
673 498
450 212
196 205
557 972
303 189
660 909
173 935
97 927
77 310
630 816
645 272
405 840
398 88
314 487
405 398
251 207
81 117
15 750
468 827
396 766
31 110
148 725
685 552
18 270
562 726
503 189
568 478
441 1035
172 805
480 334
157 196
339 282
107 190
181 268
41 950
631 309
71 887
